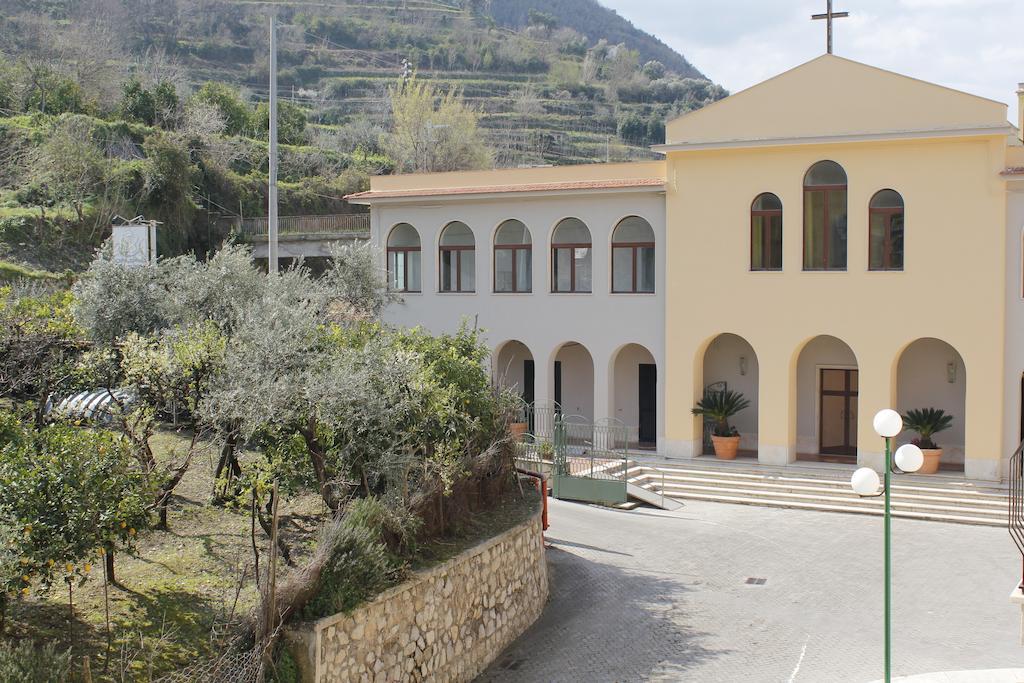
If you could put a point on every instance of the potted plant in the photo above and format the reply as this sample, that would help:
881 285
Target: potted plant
518 426
927 422
718 407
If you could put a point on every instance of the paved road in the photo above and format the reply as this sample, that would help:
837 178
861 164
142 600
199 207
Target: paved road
663 596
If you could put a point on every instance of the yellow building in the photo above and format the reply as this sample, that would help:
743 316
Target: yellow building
835 240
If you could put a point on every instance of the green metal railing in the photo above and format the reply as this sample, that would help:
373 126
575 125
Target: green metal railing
586 461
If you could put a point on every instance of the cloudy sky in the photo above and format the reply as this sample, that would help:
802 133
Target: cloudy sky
972 45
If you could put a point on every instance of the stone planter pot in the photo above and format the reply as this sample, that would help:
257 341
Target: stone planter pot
726 447
517 429
931 460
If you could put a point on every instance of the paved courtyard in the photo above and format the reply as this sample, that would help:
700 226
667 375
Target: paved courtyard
664 596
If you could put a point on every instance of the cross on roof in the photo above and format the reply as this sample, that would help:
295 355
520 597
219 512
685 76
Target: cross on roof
828 16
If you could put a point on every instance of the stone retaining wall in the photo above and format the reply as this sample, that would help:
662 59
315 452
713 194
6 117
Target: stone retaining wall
446 623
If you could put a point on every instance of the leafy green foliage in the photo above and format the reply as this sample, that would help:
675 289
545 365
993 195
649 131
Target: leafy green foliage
291 122
40 346
137 103
719 406
433 131
73 493
927 422
237 114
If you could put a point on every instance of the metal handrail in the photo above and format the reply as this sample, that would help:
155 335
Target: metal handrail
1015 519
304 225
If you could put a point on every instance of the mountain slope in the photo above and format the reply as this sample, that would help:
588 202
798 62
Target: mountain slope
595 22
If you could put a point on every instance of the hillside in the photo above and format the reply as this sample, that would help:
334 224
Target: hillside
595 22
170 97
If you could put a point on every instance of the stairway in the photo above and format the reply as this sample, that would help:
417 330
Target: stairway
814 486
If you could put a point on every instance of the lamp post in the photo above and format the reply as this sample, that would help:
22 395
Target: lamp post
865 481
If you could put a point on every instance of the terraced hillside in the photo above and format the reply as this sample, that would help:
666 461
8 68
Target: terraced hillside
556 82
115 108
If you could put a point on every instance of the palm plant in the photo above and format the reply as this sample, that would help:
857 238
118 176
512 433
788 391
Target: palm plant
719 406
927 422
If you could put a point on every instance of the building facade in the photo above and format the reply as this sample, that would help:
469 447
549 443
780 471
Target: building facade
830 242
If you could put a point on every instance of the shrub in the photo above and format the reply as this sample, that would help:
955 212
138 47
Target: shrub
23 661
359 568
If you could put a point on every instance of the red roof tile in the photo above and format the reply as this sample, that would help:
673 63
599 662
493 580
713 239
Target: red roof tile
525 187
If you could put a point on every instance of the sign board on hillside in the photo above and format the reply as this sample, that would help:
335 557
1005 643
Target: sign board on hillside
134 242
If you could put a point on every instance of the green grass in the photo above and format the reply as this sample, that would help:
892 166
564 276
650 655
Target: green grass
176 588
12 272
182 587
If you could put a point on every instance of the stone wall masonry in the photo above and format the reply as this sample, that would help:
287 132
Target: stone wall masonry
446 623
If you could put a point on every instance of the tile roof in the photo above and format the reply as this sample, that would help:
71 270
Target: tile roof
522 187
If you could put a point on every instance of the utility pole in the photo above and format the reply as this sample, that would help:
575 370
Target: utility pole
272 170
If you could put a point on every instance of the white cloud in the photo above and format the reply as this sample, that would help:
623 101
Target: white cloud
970 45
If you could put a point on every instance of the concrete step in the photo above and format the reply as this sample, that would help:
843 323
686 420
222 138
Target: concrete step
851 501
931 497
900 493
834 477
832 507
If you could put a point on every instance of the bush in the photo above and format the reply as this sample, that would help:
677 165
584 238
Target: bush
23 661
359 568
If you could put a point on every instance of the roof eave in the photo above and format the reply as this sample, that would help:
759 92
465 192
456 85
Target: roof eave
367 198
975 131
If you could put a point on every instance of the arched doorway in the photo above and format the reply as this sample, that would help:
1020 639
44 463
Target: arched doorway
573 386
514 369
931 374
635 394
731 363
827 384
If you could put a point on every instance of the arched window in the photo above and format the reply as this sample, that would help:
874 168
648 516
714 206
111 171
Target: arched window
825 217
571 257
458 258
404 258
633 256
886 231
513 258
766 233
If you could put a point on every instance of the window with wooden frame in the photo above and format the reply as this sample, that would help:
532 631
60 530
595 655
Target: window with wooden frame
825 217
885 220
513 258
633 257
404 259
766 233
458 258
571 257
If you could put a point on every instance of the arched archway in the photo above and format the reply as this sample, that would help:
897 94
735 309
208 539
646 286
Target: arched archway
730 362
827 384
634 386
573 386
514 369
931 373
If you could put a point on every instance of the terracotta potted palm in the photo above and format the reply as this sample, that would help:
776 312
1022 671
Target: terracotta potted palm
718 407
927 422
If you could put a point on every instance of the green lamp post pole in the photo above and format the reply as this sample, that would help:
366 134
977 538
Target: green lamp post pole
888 563
865 482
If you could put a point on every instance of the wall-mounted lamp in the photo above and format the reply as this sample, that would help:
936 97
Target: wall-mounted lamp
743 365
951 372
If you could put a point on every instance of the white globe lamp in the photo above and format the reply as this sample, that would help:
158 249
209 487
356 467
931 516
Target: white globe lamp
865 481
887 423
909 458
